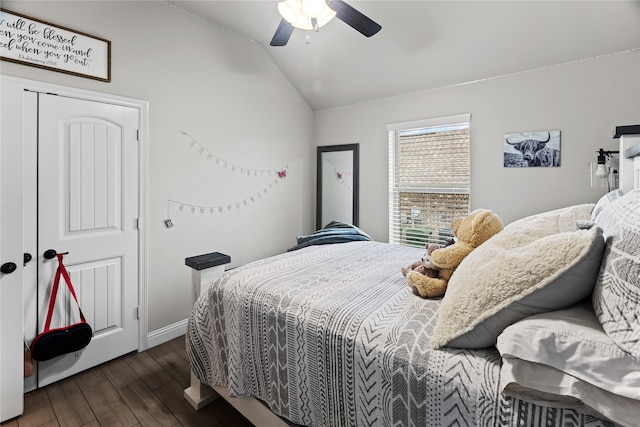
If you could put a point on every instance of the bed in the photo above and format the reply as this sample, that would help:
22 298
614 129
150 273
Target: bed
330 335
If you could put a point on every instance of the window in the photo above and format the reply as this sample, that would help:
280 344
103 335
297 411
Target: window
429 179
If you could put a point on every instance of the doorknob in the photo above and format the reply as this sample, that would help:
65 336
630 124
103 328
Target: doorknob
50 253
8 267
26 258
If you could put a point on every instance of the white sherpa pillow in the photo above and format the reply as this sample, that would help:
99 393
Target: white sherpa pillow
555 221
518 272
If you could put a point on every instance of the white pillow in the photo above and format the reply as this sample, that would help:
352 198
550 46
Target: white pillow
546 386
525 269
573 341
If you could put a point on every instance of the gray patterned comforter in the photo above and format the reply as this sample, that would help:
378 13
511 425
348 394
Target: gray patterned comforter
332 336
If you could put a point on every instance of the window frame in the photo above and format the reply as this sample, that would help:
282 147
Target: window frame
395 190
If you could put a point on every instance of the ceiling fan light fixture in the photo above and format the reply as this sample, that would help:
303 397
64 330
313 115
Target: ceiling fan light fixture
325 16
313 8
293 11
313 14
303 22
289 10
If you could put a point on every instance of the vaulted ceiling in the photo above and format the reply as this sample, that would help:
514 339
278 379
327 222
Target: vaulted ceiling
429 44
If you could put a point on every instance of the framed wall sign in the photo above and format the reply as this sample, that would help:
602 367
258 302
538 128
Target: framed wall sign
29 41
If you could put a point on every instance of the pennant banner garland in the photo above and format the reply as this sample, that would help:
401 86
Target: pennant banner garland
278 175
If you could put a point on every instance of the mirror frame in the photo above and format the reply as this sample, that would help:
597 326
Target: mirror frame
355 148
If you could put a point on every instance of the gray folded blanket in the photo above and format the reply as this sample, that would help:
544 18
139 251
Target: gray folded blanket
334 232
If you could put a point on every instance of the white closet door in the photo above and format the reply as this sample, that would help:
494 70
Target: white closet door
88 162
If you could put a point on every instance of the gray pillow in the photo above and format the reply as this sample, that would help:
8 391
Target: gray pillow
616 295
528 268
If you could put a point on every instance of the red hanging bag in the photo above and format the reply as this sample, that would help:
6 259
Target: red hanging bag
52 343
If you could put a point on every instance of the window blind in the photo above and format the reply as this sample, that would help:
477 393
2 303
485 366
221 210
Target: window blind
429 180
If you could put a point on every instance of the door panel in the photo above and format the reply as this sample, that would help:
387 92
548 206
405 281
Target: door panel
88 204
95 171
99 288
11 250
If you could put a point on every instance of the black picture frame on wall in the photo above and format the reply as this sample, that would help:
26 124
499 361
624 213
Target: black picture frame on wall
345 157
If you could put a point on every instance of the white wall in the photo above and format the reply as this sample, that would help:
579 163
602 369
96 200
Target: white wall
225 92
585 100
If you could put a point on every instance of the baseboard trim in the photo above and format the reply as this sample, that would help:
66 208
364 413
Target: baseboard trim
169 332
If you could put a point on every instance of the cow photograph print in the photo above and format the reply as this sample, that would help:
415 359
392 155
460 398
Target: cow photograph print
527 149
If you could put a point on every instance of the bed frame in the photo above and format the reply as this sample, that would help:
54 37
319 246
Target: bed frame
199 395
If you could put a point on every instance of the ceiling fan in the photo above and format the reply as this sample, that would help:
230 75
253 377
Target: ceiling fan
313 14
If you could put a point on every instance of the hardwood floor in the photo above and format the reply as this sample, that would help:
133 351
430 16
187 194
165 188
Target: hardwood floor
138 389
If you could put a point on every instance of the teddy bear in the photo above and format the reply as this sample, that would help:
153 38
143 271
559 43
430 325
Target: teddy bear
424 266
470 231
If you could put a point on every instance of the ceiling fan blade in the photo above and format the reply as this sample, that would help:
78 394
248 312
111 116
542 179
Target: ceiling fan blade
353 18
282 35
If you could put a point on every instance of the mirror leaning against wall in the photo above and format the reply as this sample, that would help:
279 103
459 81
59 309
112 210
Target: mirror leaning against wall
337 183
